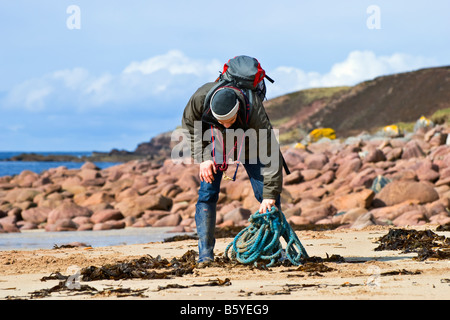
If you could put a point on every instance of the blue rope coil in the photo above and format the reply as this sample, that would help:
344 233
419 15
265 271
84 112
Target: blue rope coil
261 240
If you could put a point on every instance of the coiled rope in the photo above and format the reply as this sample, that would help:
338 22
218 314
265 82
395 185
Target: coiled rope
261 240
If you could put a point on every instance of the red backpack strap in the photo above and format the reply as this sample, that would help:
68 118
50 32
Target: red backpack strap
259 76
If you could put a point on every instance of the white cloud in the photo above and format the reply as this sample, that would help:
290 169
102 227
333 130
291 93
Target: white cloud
169 76
176 63
174 77
357 67
73 78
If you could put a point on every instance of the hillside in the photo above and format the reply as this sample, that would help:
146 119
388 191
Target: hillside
367 106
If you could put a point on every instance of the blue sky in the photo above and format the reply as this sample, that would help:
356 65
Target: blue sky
126 73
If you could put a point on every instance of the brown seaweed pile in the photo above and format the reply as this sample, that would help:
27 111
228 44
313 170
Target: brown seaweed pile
142 268
181 237
426 243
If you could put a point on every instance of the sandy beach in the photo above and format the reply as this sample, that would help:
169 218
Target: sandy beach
366 274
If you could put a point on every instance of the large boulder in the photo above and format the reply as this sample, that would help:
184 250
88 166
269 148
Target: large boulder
67 210
404 190
36 215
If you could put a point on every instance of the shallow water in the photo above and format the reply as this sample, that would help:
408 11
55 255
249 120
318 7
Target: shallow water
40 239
10 168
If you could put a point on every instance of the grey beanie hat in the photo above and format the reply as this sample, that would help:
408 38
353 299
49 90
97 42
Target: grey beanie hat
224 104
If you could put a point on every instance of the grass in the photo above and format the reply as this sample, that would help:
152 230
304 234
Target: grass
439 117
281 110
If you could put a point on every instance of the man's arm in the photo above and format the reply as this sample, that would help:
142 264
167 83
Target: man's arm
273 170
192 116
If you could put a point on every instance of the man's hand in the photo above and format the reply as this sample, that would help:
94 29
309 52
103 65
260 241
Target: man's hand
207 168
266 205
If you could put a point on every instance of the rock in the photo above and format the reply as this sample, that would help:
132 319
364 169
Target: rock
106 215
97 198
25 179
15 212
137 205
226 224
411 218
347 167
21 195
394 154
327 177
362 199
310 174
189 181
177 229
426 171
363 221
379 183
179 207
293 157
36 215
298 220
154 202
82 220
8 224
293 178
375 155
237 215
317 213
109 225
128 193
25 225
170 220
89 166
7 186
352 215
295 210
364 178
412 150
89 174
440 219
402 190
140 223
97 182
9 228
316 161
67 210
63 224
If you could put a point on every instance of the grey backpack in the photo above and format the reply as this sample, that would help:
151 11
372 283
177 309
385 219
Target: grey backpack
244 73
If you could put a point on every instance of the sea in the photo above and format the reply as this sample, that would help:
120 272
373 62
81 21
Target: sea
39 239
10 168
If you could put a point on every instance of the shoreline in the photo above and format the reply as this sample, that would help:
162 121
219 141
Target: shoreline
365 275
37 239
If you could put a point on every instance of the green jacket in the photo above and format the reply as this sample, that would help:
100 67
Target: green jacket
257 119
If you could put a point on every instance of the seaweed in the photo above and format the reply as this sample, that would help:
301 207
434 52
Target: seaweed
443 227
334 258
314 227
314 267
210 283
148 267
139 268
402 272
62 287
426 243
181 238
